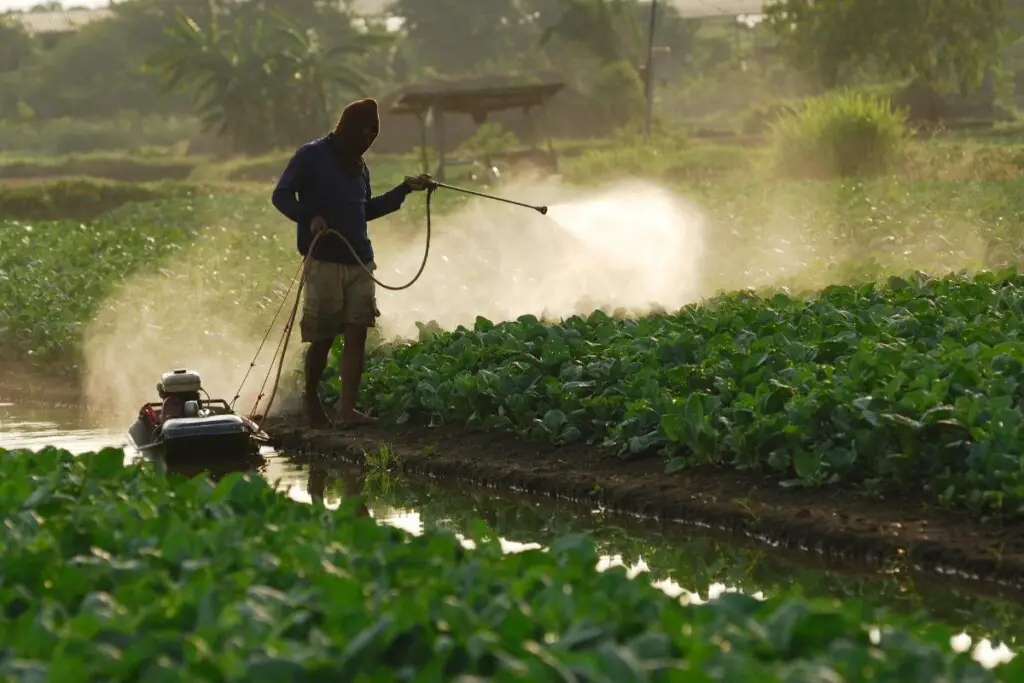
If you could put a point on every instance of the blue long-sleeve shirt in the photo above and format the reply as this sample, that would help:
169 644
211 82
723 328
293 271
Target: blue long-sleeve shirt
315 184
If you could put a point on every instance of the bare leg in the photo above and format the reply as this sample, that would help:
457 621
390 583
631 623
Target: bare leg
353 484
353 359
316 484
316 363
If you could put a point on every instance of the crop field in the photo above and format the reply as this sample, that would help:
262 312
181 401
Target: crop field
914 384
56 273
741 398
844 336
152 578
849 369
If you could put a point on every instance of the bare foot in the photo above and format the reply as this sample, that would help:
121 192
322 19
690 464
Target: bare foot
354 418
316 414
320 421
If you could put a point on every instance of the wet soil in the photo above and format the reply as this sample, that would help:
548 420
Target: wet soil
840 524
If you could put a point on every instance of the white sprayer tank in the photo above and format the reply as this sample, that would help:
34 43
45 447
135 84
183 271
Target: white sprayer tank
181 382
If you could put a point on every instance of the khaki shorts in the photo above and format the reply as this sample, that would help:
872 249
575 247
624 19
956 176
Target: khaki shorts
337 295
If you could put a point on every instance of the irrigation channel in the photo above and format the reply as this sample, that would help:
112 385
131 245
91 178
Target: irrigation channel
693 567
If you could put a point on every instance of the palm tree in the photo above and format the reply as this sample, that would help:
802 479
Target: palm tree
307 66
223 77
262 83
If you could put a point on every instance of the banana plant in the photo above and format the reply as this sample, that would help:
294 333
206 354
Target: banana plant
262 83
307 66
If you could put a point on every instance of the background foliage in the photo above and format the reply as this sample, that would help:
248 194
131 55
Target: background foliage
235 64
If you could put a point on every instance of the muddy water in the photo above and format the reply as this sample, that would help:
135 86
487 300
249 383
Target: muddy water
695 568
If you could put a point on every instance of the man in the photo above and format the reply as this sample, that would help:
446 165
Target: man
326 185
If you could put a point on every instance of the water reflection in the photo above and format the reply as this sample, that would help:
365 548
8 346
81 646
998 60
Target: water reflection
215 472
318 478
691 568
35 426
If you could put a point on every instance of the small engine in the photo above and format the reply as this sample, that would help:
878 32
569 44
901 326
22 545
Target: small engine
180 381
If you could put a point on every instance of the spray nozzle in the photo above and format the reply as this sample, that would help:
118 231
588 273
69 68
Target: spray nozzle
542 210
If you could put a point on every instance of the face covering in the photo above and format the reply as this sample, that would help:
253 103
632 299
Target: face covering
357 129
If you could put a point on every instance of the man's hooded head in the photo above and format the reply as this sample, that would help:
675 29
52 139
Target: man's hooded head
357 128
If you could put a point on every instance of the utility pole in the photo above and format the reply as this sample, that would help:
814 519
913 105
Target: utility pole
649 72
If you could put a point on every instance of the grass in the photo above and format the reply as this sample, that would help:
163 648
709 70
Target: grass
122 167
841 134
379 459
60 275
668 157
169 164
670 160
56 274
134 576
86 199
122 134
687 162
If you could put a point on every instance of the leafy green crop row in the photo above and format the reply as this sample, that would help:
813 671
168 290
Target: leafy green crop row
117 574
53 275
111 167
80 199
916 384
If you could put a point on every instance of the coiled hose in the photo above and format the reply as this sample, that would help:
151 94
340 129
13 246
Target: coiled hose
301 276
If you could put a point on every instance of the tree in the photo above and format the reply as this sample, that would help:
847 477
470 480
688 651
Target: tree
824 38
16 49
263 84
465 37
95 72
618 94
954 45
323 15
16 45
608 29
940 43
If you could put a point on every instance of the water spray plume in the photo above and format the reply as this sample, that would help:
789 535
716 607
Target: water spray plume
201 311
631 245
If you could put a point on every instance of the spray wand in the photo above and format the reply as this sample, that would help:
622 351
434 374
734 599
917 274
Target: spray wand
542 210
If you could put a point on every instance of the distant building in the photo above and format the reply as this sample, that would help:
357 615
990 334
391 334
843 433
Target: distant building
50 27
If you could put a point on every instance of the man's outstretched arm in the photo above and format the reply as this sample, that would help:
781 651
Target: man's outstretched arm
285 196
386 203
